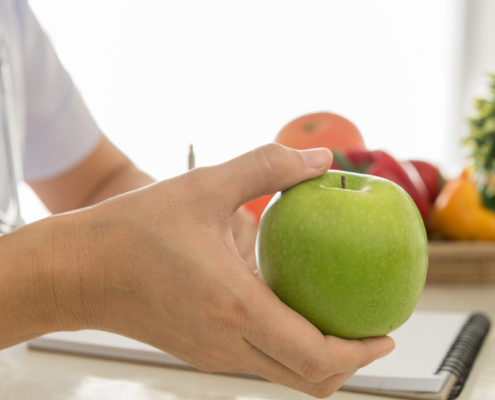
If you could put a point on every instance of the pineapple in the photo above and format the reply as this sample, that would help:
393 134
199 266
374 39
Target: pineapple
482 143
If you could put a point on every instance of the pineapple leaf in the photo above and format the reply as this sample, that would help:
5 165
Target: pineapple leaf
482 134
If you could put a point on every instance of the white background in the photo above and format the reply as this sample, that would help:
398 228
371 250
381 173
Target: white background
227 75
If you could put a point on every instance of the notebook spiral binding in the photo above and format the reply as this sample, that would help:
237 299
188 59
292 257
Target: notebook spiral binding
463 352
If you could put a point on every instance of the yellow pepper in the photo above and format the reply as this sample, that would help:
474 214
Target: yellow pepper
459 212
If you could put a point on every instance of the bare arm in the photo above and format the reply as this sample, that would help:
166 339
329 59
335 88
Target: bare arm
106 173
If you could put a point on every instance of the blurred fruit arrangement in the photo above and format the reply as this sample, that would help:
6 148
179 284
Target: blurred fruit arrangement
421 180
465 209
460 209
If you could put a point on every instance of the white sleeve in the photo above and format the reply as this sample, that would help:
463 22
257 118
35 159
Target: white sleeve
60 132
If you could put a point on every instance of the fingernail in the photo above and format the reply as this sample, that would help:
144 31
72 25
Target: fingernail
386 352
316 158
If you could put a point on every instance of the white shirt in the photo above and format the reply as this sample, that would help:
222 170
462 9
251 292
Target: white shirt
56 129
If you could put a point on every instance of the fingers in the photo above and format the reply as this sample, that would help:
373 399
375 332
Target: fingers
269 169
293 341
355 354
256 361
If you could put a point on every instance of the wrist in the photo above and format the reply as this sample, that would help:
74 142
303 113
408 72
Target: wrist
46 276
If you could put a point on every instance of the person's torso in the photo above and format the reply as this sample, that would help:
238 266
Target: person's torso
11 139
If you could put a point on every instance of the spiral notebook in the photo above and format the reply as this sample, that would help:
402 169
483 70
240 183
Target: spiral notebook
432 360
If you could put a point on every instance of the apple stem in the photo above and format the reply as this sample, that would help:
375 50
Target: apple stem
342 179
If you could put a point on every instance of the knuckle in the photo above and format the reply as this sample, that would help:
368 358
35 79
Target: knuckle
325 389
271 164
271 155
273 150
317 370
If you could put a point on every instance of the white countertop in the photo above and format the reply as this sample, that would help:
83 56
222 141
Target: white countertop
35 375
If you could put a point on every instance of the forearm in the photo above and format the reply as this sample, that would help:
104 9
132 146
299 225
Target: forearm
107 172
40 279
123 179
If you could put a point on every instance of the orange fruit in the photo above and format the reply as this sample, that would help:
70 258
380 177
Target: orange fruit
323 129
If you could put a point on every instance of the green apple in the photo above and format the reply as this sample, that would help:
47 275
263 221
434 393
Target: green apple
351 260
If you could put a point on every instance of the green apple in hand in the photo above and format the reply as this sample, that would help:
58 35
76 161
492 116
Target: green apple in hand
351 260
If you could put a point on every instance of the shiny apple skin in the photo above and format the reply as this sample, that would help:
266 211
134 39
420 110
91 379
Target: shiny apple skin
352 261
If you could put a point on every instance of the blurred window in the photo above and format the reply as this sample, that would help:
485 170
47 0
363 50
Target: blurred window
226 76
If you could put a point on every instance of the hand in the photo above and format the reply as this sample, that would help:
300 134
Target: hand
160 265
191 293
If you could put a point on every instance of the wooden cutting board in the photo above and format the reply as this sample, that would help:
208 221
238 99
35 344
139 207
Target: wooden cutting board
461 262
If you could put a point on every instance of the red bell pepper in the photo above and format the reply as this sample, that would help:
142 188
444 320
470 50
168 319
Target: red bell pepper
379 163
431 176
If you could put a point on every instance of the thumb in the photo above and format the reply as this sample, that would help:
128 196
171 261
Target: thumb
269 169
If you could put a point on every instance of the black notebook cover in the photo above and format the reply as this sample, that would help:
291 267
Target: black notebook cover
463 352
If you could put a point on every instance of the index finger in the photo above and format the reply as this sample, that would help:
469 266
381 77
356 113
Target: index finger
292 340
